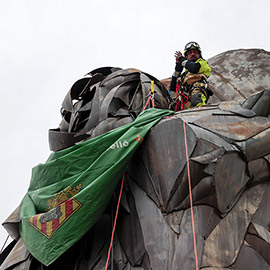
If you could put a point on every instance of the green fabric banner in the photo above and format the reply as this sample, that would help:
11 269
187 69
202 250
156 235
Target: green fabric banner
69 193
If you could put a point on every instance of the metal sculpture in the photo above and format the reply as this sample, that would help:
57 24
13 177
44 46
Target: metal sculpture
105 99
228 162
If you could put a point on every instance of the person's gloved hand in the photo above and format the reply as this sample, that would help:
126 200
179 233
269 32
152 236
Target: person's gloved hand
177 55
180 59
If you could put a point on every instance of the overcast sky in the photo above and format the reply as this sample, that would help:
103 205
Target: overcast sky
47 45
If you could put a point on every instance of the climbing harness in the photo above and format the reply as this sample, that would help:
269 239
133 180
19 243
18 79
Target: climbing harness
115 219
181 97
190 197
192 84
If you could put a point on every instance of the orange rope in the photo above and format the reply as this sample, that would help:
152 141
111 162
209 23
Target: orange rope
190 197
114 225
4 245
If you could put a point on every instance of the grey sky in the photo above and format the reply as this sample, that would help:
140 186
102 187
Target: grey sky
47 45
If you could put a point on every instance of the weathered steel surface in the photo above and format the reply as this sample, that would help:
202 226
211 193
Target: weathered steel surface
262 216
230 171
18 258
105 99
183 255
11 224
235 128
223 244
159 239
257 146
249 259
228 147
239 73
260 104
6 251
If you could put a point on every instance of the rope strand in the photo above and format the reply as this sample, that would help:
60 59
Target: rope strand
190 197
4 245
114 225
152 101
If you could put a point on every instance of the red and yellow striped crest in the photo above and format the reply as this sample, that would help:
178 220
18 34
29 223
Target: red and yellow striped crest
48 223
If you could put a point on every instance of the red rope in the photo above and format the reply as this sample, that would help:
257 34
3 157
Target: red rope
183 103
114 225
176 106
152 101
4 245
190 197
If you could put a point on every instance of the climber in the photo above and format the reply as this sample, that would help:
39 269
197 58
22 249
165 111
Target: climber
191 87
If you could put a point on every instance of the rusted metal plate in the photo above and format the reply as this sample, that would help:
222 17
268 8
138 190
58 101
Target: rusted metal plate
118 256
140 174
11 224
257 146
184 257
231 171
174 220
203 215
249 259
215 268
213 138
217 81
6 251
60 139
259 170
262 216
18 257
180 192
165 168
158 236
111 103
79 89
237 109
260 245
131 236
250 101
241 73
202 193
203 147
235 128
109 124
209 156
197 113
224 242
261 106
261 232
